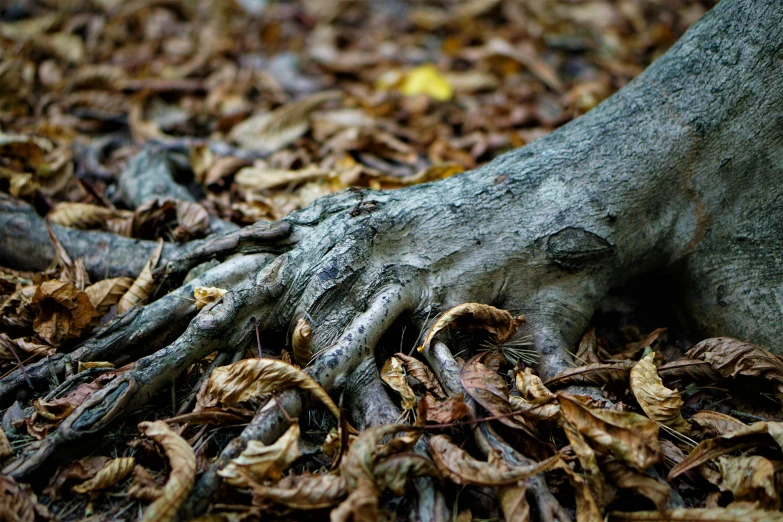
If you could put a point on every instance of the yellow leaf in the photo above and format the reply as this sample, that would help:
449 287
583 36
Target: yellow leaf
263 462
207 294
426 79
301 342
114 471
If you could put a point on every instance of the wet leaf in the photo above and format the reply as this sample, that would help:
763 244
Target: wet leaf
757 434
744 513
250 378
426 79
303 491
491 391
141 288
661 404
708 424
421 372
302 342
459 467
734 358
446 411
476 316
107 293
110 474
631 438
393 374
207 294
63 311
182 474
750 479
261 462
614 375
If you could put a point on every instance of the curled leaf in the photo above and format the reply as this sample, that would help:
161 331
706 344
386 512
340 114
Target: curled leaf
586 507
660 403
110 474
261 462
712 424
419 371
207 294
474 316
459 467
107 293
446 411
302 342
595 374
142 286
537 401
732 513
182 462
684 371
63 311
750 479
393 374
303 491
629 479
395 471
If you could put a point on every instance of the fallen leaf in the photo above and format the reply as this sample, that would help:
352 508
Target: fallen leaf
393 374
205 295
708 424
538 402
107 293
182 463
513 503
81 469
141 288
302 342
631 438
5 445
83 215
586 508
446 411
394 472
744 513
63 311
614 375
661 404
750 479
58 409
426 79
684 371
261 462
629 479
303 491
19 503
459 467
420 372
110 474
259 177
476 316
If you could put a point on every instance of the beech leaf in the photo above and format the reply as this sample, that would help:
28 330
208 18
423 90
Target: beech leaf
303 491
476 316
205 295
110 474
302 342
393 374
107 293
594 374
750 479
732 514
63 311
142 286
262 462
661 404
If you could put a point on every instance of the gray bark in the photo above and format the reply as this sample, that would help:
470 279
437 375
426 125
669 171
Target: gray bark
681 169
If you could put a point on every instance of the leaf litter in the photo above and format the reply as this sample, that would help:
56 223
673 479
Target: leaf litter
266 114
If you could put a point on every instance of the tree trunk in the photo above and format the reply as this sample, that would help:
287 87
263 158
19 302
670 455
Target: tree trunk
681 168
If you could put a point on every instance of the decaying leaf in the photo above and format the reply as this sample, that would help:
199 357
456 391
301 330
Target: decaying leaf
395 472
684 371
446 411
731 513
192 221
107 293
142 286
537 401
303 491
19 503
595 374
205 295
707 424
660 403
734 358
393 374
81 469
476 316
421 372
250 378
602 492
58 409
5 445
182 462
63 311
586 508
629 479
112 472
513 503
459 467
262 462
750 479
302 342
757 434
490 390
631 438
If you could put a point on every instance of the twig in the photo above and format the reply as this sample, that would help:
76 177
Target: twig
258 339
748 416
21 366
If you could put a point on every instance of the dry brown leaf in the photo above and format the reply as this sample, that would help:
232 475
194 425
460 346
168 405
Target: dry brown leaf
476 316
86 365
395 472
661 404
182 462
58 409
261 177
602 491
303 491
271 131
742 512
260 462
757 434
144 486
626 478
5 445
110 474
419 371
81 469
631 438
205 295
538 402
588 347
707 424
302 342
192 221
83 215
107 293
750 479
595 374
672 454
63 311
687 371
459 467
18 502
490 390
513 503
142 286
248 379
446 411
393 374
586 508
734 358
